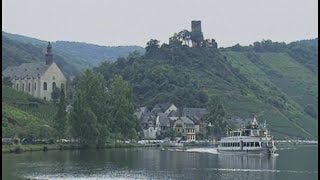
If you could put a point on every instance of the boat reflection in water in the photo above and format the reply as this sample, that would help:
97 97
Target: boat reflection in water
247 166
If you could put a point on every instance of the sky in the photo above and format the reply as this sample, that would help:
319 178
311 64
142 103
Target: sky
134 22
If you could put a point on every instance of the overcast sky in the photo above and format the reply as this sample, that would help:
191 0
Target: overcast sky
134 22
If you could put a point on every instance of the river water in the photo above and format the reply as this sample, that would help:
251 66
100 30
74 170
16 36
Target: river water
295 163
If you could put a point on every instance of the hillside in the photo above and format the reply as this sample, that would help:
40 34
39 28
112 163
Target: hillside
24 115
73 56
248 79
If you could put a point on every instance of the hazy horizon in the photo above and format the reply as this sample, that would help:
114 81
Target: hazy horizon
124 22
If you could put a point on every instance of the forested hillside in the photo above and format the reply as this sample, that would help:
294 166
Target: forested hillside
72 56
277 78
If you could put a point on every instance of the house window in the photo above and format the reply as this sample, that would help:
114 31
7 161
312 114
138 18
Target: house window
29 87
22 86
35 86
45 86
54 85
44 98
17 87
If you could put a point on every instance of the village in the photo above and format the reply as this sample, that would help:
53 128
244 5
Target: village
167 121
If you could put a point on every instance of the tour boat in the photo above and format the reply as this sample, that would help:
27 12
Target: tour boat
252 139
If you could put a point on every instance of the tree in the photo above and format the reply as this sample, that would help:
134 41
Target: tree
84 122
55 94
122 108
216 116
92 103
61 117
7 82
152 46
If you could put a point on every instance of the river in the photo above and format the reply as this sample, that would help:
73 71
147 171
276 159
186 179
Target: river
295 163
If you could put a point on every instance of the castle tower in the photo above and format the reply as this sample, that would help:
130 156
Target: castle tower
196 26
196 34
49 55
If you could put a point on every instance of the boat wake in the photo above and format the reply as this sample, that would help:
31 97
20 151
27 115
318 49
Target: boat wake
203 150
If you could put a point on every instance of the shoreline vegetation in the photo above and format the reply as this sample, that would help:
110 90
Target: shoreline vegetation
19 148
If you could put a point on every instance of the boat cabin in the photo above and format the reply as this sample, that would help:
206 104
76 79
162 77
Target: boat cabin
247 132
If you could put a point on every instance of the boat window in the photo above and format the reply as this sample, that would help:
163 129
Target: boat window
246 133
251 144
235 133
238 144
257 144
244 144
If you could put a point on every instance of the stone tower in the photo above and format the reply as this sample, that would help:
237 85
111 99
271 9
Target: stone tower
49 55
196 34
196 26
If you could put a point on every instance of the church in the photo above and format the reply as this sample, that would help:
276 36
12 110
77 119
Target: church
37 79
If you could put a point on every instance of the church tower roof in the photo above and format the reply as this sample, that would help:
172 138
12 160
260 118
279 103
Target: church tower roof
49 55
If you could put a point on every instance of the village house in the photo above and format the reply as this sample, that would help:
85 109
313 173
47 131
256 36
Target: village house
37 79
186 128
188 122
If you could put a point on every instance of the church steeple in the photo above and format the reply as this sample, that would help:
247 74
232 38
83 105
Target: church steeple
49 55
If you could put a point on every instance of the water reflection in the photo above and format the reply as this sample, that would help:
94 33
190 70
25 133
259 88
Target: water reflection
151 163
248 166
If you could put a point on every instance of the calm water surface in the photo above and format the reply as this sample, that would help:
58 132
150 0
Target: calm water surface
151 163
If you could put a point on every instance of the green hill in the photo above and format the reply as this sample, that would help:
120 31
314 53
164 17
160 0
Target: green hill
248 79
277 78
73 56
24 115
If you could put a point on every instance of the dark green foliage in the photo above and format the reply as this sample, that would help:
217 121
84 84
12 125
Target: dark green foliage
7 82
122 108
246 81
305 52
55 95
169 133
100 113
60 123
84 122
216 116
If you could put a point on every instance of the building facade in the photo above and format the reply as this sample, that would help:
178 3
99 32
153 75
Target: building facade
37 79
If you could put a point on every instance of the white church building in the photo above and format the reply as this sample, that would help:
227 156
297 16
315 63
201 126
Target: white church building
37 79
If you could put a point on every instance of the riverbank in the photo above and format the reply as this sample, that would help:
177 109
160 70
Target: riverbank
46 147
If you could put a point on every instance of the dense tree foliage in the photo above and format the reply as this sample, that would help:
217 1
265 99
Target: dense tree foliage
216 117
99 111
60 123
276 77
